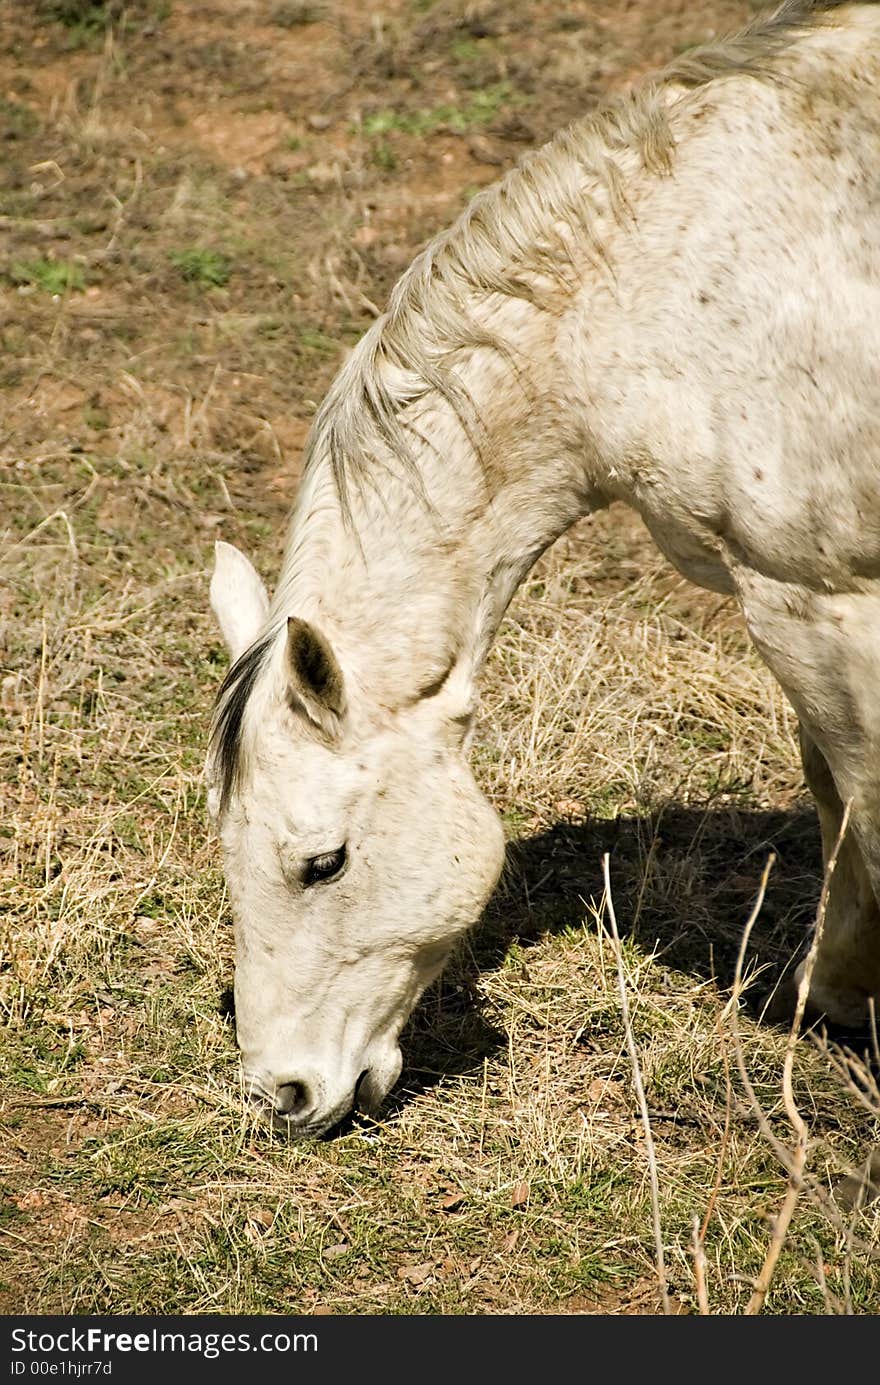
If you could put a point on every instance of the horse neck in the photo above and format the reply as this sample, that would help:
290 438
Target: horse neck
419 574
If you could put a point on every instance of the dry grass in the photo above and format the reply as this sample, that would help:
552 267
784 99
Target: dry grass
623 714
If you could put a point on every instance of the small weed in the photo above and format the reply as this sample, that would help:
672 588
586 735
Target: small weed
515 820
87 21
292 13
16 121
50 276
271 327
481 107
384 157
570 23
313 340
96 418
207 267
485 103
9 1213
82 16
464 49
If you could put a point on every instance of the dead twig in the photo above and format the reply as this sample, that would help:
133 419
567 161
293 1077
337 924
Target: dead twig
640 1090
699 1255
793 1160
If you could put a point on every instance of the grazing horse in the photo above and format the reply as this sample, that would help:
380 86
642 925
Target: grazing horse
674 303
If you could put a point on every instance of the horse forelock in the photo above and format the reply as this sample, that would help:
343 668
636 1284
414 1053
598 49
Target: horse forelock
227 732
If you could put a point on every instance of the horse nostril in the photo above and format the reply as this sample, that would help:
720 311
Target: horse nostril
292 1099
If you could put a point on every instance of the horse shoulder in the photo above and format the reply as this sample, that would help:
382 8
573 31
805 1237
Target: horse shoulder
728 368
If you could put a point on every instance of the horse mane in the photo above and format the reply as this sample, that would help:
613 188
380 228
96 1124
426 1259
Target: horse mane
505 243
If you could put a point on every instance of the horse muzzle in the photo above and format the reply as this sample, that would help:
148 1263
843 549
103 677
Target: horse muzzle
299 1107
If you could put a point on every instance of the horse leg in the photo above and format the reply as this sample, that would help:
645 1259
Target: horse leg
852 917
825 650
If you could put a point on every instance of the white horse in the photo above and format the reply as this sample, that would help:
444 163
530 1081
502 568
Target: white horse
674 303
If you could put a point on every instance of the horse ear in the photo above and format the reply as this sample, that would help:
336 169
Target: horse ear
238 598
314 678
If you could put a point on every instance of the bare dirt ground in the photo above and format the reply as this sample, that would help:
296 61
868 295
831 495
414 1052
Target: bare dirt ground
202 207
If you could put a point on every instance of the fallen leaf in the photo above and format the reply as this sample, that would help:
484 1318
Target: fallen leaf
416 1274
520 1195
333 1252
452 1202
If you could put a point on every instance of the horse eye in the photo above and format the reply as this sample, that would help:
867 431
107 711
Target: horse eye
324 867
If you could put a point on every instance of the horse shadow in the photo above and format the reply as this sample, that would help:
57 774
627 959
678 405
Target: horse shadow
684 881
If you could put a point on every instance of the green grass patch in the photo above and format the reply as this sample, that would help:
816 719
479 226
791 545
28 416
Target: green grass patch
208 268
292 13
17 121
87 21
465 49
49 276
316 342
383 156
480 107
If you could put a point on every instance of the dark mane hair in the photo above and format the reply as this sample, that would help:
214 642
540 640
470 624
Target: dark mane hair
236 688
